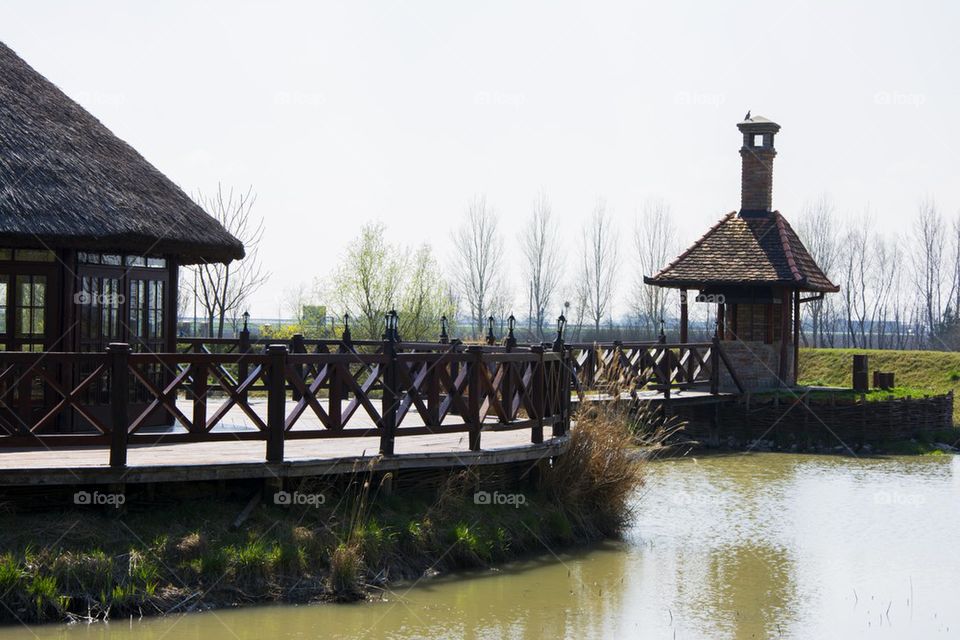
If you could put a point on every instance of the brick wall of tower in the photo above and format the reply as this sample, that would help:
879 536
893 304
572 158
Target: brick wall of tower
756 179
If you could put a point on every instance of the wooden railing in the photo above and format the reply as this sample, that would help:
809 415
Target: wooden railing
326 388
657 366
385 389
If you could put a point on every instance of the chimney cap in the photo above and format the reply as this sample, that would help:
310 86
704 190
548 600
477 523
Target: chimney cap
758 124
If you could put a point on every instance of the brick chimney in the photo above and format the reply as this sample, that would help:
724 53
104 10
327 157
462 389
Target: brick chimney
756 178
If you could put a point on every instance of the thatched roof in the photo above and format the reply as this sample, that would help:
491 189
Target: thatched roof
67 182
759 250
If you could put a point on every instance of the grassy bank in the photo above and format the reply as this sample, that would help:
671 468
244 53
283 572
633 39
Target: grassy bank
918 373
344 543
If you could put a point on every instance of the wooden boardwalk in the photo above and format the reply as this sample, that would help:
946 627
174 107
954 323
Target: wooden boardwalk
223 460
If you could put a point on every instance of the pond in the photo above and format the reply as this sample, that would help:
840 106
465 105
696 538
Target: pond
737 546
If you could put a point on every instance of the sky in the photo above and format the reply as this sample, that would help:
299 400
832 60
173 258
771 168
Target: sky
340 113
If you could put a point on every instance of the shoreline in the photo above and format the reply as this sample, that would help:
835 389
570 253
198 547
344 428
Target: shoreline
188 547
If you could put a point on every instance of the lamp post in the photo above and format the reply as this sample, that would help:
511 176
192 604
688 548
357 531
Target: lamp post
346 328
561 325
491 339
444 338
511 341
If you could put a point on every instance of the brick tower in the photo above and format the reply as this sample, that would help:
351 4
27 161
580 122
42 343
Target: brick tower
756 178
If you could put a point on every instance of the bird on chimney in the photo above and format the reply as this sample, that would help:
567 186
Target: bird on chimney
747 117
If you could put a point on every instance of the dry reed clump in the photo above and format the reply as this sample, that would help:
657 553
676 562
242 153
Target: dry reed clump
345 581
595 480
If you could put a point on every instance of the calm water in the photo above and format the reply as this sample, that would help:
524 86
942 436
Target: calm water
745 546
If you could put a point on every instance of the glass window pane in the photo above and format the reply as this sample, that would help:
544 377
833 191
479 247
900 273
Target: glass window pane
6 254
157 262
136 261
34 255
3 304
110 259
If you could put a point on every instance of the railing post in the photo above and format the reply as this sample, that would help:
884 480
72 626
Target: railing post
506 386
297 346
591 365
473 400
389 399
199 390
276 401
566 371
118 356
243 367
539 395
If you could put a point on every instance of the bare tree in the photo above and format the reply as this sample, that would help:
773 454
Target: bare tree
294 299
223 290
929 241
818 227
479 261
655 242
540 244
599 264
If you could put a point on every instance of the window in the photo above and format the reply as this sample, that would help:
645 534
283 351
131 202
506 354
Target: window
758 140
30 304
3 304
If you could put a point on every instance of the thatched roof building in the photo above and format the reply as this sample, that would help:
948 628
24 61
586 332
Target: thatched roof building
91 240
67 182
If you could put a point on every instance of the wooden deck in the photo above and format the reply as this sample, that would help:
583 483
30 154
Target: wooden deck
223 460
319 407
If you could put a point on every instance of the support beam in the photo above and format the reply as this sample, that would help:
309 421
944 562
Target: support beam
796 336
683 316
786 300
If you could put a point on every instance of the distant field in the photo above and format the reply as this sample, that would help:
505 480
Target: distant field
917 372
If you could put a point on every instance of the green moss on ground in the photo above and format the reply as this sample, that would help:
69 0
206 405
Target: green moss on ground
918 373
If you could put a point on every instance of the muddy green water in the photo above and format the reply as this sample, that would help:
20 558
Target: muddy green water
741 546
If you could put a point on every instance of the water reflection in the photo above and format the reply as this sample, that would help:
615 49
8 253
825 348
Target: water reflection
747 546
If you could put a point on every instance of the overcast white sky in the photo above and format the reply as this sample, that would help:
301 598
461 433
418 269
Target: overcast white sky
340 113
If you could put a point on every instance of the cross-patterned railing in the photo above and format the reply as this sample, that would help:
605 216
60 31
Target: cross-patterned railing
238 389
387 389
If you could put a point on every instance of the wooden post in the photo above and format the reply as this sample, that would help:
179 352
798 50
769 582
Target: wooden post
796 336
785 306
297 346
683 316
539 395
715 365
389 399
276 401
243 367
199 390
118 356
721 321
473 401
